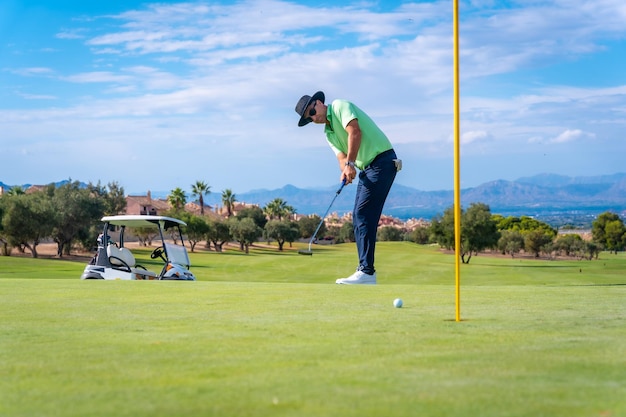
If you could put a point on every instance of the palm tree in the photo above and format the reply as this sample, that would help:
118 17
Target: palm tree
177 198
228 199
278 208
16 190
200 189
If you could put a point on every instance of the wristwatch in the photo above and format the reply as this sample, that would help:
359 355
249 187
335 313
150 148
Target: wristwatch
350 164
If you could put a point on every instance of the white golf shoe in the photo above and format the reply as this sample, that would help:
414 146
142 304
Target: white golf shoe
359 277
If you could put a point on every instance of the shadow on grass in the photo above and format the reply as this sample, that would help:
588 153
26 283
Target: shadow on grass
521 265
259 250
590 285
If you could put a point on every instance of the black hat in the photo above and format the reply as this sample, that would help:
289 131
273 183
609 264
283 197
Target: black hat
304 103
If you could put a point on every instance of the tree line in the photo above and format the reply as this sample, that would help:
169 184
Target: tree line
70 216
66 214
481 230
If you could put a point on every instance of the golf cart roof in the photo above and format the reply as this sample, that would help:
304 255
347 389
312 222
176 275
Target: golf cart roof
131 220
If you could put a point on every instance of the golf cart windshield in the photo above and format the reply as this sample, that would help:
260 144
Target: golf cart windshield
177 254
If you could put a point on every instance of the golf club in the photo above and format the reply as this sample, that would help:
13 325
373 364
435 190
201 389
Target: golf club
309 252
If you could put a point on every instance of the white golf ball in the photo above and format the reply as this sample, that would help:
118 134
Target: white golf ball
397 303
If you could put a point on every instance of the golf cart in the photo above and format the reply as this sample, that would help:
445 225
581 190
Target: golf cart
115 261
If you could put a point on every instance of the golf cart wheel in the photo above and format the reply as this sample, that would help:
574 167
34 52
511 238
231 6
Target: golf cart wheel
93 277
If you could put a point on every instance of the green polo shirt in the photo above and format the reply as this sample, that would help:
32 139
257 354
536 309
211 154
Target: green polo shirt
373 140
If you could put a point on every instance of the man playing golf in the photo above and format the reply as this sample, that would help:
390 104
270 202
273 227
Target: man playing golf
357 143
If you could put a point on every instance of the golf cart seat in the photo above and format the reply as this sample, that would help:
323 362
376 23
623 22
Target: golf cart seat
122 258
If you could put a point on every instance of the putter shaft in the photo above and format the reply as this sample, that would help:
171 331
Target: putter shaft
343 183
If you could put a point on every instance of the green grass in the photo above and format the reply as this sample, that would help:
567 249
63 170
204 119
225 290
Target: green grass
270 334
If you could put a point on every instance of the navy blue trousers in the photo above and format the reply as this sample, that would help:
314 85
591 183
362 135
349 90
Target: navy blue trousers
374 184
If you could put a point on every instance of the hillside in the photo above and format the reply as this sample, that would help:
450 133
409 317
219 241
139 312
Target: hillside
541 195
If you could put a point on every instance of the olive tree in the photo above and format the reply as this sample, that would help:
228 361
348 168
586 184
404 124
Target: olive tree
537 241
4 243
245 231
113 195
196 230
308 225
27 220
218 233
390 234
608 230
442 229
570 245
511 242
346 233
420 235
478 230
77 209
282 231
255 213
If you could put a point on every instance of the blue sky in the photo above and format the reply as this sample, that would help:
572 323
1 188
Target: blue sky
160 95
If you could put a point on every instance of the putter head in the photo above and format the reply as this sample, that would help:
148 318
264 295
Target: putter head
305 252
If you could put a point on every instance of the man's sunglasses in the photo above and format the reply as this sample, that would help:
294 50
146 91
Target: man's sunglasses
312 112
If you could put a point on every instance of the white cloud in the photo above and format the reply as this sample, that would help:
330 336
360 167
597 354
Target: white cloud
73 33
36 96
33 71
476 136
97 77
571 135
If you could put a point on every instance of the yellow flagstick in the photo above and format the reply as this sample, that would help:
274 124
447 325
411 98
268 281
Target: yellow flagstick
457 163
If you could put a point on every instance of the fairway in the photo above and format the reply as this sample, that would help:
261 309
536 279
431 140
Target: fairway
270 334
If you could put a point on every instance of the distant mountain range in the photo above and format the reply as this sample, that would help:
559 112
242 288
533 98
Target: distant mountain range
26 186
530 195
536 195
